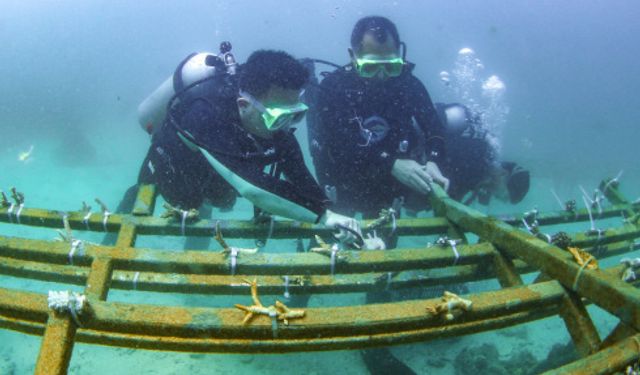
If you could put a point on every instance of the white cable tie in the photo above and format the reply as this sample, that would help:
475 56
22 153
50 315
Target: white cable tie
585 194
10 211
286 287
562 206
593 224
86 218
582 268
389 278
105 218
74 316
184 220
334 251
274 323
526 226
615 179
234 260
20 207
271 226
76 245
597 202
452 243
135 280
394 225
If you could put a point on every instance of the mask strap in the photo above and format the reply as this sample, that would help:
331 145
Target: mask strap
403 45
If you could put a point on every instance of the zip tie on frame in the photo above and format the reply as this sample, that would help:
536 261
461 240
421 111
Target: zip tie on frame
10 211
135 280
452 243
76 245
86 218
286 294
105 218
20 207
183 220
580 271
233 258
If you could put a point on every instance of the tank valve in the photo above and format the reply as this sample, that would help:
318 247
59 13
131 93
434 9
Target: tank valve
228 58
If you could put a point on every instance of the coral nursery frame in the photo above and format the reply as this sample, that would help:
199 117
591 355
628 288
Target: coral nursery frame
564 286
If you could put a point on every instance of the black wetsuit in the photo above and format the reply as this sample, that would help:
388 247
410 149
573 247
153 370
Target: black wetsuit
469 157
209 113
359 127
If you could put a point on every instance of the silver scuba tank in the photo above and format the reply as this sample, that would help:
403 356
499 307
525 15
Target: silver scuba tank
196 67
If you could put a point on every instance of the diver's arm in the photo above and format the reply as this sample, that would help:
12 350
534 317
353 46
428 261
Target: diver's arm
285 199
271 194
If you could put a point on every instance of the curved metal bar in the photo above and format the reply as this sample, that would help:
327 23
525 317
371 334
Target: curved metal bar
211 329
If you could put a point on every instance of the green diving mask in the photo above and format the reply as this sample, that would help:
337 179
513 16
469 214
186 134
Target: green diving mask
368 68
276 118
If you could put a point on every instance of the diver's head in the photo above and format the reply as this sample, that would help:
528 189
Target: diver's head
456 117
375 48
271 84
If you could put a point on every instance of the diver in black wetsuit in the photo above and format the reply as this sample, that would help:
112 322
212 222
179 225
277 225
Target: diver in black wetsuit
374 134
471 161
375 137
231 135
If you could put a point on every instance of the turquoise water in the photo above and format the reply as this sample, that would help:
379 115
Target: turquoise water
74 72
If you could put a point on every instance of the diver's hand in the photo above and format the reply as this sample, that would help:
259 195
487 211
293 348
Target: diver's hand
412 174
434 172
334 220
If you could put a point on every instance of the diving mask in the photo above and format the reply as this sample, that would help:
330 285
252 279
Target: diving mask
368 68
276 118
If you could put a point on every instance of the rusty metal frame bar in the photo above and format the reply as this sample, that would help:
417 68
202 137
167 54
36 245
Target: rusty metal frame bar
221 329
159 281
610 293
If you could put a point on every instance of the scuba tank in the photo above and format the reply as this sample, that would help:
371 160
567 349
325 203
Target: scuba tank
194 68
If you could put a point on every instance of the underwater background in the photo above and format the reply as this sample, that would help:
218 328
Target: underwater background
73 73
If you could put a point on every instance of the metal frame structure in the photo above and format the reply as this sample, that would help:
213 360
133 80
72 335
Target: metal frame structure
504 253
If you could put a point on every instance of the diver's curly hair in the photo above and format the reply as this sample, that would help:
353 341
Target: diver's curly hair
266 68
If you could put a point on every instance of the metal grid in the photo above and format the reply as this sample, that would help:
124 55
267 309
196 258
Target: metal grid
563 287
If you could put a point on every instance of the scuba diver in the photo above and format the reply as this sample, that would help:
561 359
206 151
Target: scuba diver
471 160
365 124
375 138
471 164
231 134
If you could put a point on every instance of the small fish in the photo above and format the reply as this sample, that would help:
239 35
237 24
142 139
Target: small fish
25 156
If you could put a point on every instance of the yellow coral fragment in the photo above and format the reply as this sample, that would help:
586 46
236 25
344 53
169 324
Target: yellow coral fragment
583 258
279 311
451 306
